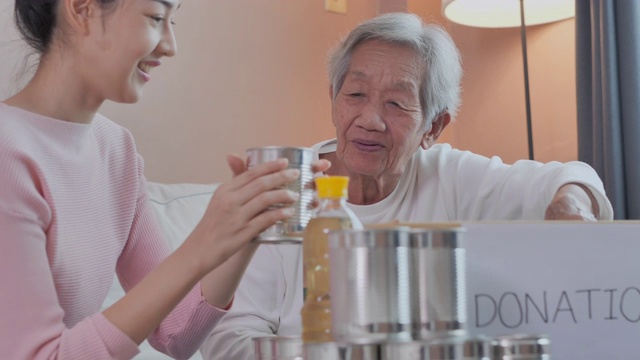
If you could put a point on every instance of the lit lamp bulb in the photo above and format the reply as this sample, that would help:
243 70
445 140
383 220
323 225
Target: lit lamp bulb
506 13
510 13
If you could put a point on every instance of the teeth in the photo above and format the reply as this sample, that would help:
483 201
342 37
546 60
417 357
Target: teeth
145 68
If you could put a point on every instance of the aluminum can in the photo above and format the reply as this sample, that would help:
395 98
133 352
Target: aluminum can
278 348
290 230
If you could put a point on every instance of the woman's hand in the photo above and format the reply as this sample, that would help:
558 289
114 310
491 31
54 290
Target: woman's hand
320 166
219 285
239 209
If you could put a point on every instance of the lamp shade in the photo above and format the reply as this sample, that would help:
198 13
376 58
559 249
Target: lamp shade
506 13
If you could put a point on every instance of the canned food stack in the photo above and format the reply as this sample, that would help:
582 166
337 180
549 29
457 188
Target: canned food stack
397 284
507 347
396 292
400 293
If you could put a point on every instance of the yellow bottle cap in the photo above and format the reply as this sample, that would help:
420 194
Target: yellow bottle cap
332 186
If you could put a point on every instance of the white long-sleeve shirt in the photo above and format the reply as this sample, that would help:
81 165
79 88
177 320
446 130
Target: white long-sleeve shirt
439 184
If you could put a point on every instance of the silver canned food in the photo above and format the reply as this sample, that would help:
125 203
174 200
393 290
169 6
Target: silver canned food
289 231
278 348
477 348
373 351
459 348
370 283
438 276
521 347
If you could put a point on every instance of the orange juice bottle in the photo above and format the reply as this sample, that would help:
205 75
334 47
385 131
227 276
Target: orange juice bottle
332 214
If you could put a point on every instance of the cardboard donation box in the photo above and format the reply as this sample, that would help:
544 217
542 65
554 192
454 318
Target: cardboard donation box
579 283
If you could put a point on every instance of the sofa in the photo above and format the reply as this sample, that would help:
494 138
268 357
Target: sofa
178 207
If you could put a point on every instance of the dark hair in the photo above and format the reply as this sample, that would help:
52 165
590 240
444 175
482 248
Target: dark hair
37 21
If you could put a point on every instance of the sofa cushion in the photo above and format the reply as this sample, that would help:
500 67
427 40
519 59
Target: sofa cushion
179 208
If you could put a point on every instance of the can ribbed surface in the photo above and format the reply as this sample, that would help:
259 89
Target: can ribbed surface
511 347
289 231
374 351
278 348
370 285
459 348
397 284
477 348
521 347
438 269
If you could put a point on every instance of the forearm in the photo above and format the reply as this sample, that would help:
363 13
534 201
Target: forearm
234 216
219 286
144 307
526 190
573 201
584 195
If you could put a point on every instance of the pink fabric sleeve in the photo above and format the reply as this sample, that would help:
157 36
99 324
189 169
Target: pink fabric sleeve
31 316
32 326
188 325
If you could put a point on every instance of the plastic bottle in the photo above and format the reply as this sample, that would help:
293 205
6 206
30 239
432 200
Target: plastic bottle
331 214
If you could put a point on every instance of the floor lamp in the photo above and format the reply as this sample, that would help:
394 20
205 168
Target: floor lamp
510 13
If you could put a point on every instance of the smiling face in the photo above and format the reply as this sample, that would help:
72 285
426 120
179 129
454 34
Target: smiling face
377 113
124 45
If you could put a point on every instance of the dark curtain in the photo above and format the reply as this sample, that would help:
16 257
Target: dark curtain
608 96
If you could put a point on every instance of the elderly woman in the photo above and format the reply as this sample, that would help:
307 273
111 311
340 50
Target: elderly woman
395 86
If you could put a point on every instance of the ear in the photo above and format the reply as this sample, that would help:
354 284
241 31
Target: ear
437 126
78 13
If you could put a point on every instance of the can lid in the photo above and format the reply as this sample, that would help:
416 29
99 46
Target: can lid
332 186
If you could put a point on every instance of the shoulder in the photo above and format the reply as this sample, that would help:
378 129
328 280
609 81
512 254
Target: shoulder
22 184
448 162
442 154
14 128
116 148
110 133
20 138
115 141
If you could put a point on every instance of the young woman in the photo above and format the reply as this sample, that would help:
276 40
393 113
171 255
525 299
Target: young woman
73 208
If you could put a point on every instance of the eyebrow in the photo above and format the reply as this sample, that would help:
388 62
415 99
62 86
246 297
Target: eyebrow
169 5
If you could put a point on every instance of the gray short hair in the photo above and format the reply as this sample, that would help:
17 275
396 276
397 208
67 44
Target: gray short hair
440 89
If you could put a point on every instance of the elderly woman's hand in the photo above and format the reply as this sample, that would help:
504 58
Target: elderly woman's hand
573 202
320 166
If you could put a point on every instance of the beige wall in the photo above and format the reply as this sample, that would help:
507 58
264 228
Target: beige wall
248 73
492 119
252 73
13 53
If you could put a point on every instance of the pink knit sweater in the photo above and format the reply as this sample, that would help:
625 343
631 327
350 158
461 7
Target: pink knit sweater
73 213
